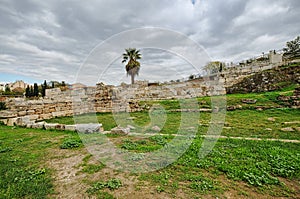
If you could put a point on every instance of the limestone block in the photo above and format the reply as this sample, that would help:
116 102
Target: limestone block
60 127
22 121
33 117
46 116
57 114
89 128
30 112
4 121
70 127
49 126
7 114
11 121
38 125
22 113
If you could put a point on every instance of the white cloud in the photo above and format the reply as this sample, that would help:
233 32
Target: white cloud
55 37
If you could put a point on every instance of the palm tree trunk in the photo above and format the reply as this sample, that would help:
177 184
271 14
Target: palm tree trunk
132 79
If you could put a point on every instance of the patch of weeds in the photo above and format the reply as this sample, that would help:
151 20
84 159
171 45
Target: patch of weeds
111 184
160 189
158 139
129 145
71 143
104 195
203 185
260 179
6 149
92 168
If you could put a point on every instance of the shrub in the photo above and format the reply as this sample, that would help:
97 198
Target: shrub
71 143
111 184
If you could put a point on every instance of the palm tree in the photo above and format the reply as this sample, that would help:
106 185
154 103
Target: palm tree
133 66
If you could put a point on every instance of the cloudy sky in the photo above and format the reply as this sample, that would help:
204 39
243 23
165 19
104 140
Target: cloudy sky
57 39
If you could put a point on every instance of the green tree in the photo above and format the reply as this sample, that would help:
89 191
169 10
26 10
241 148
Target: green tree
292 49
31 92
44 87
27 91
131 56
7 90
35 90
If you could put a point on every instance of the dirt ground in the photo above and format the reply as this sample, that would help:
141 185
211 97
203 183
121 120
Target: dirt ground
70 181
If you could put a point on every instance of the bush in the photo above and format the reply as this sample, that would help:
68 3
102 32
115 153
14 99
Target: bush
111 184
71 143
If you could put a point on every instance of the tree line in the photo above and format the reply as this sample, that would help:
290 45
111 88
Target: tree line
36 91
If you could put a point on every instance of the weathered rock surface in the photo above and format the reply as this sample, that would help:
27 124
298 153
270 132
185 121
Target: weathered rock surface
120 130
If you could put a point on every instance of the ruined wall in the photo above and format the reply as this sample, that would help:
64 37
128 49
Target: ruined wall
105 98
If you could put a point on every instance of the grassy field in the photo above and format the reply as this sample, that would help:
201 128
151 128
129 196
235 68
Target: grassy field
55 164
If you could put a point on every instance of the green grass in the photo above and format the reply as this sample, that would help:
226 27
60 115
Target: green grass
22 174
261 166
239 123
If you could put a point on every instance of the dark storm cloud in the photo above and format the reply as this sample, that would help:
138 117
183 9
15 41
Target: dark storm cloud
55 37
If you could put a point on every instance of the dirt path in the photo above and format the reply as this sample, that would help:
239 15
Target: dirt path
226 137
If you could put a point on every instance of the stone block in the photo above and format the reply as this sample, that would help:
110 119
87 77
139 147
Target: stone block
11 121
22 121
70 127
89 128
50 126
21 113
38 125
60 127
33 117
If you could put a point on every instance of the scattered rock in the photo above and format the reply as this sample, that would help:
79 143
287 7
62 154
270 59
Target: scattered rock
287 129
231 108
259 108
120 130
271 119
239 106
269 129
249 101
155 128
227 127
293 122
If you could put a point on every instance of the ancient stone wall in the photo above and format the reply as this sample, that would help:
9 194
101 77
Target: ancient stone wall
106 98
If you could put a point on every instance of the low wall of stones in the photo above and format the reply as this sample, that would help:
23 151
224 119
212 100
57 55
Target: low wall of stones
123 98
